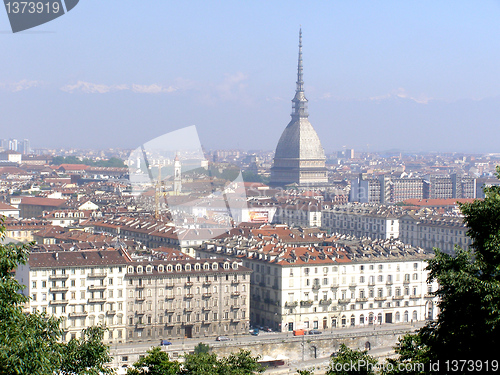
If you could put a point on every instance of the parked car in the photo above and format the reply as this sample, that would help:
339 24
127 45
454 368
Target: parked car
315 332
254 332
298 332
222 338
165 342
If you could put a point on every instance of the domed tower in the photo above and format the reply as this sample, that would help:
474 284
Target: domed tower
299 156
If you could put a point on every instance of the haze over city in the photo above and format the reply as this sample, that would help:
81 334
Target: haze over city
405 75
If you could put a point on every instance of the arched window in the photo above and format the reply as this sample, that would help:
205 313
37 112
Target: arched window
415 315
149 269
197 266
188 267
206 266
139 269
235 266
398 317
169 268
178 268
160 268
130 270
406 317
379 318
215 266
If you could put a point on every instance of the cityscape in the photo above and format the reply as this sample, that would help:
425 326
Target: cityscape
295 253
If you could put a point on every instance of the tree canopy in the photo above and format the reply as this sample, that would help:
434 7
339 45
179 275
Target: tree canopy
157 362
468 325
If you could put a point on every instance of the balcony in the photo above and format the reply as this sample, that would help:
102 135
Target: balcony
344 300
429 295
189 295
188 283
397 297
58 277
235 294
58 301
362 299
206 283
140 298
140 286
97 274
206 308
325 301
140 326
380 298
291 304
235 320
306 303
169 296
79 314
97 300
415 296
316 286
169 285
58 289
371 283
97 287
207 295
353 285
388 282
206 322
111 312
235 281
406 282
235 307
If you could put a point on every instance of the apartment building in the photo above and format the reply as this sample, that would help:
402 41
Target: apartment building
138 300
430 231
299 214
187 298
362 220
82 287
345 282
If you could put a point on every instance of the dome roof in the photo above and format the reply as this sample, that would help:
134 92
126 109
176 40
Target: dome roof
299 140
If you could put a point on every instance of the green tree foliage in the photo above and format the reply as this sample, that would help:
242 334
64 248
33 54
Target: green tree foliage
468 325
201 348
86 355
350 362
156 362
30 342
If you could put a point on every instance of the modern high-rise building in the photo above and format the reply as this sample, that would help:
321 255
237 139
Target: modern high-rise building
299 158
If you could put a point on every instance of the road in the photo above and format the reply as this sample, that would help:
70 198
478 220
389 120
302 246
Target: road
185 345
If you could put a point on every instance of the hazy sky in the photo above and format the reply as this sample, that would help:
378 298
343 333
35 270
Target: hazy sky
413 75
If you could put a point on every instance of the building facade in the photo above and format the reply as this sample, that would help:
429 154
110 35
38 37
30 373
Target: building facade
138 300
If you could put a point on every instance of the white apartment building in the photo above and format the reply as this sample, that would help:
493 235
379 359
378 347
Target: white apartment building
82 287
430 231
345 282
362 220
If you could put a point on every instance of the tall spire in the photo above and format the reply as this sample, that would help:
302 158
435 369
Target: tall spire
299 101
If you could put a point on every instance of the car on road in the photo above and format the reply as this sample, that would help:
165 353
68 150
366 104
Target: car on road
315 332
165 342
222 338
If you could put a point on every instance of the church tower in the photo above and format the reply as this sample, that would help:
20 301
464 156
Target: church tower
177 175
299 158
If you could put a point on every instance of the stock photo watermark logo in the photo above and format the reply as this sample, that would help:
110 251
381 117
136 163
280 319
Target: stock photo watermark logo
24 15
171 179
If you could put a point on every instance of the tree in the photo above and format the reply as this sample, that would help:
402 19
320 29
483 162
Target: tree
468 325
87 355
348 361
201 348
30 342
156 362
242 363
